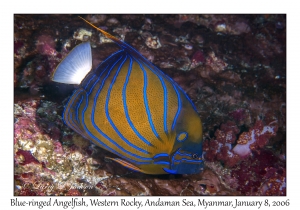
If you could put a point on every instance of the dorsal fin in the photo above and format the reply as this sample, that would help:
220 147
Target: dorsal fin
119 42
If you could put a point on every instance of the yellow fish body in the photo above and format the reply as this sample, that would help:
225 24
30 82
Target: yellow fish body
132 109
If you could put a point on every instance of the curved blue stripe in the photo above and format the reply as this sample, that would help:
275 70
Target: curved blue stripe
160 155
189 160
78 105
177 89
103 134
160 72
179 107
160 77
104 145
68 115
170 171
89 81
175 85
165 108
146 101
108 115
97 80
76 129
68 108
107 63
126 109
186 96
184 154
161 163
157 70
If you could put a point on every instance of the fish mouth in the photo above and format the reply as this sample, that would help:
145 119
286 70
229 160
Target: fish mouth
184 162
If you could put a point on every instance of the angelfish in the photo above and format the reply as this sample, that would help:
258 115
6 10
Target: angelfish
129 107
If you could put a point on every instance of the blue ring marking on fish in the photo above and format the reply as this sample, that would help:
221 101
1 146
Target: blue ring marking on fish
90 90
130 48
160 155
125 106
76 93
97 80
76 113
77 119
103 134
189 160
109 148
78 131
146 101
183 159
89 81
178 109
104 70
187 97
108 115
69 115
161 163
170 171
184 93
74 127
173 82
186 135
73 124
176 85
159 76
173 157
184 154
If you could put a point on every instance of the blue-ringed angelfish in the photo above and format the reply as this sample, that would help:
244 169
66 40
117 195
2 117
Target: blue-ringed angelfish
131 108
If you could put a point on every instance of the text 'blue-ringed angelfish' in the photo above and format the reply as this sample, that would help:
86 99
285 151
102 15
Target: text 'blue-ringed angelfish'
131 108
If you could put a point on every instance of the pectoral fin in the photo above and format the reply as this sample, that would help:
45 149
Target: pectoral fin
126 164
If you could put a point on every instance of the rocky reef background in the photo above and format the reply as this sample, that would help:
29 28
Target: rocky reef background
233 67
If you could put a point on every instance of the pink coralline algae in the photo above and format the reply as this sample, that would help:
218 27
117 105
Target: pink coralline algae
25 157
18 44
197 59
46 45
255 169
216 63
261 174
37 72
238 114
256 137
220 147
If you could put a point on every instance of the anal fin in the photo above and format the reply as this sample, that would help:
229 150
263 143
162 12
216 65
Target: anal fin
126 164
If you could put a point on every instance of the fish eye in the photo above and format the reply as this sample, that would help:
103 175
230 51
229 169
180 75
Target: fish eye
195 156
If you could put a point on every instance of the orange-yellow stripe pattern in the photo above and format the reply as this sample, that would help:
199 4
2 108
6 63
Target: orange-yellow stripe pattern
100 106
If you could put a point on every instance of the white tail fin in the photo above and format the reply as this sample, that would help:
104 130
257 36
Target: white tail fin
75 66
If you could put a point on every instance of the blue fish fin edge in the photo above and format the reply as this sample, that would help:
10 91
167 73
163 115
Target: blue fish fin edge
75 66
170 171
125 164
